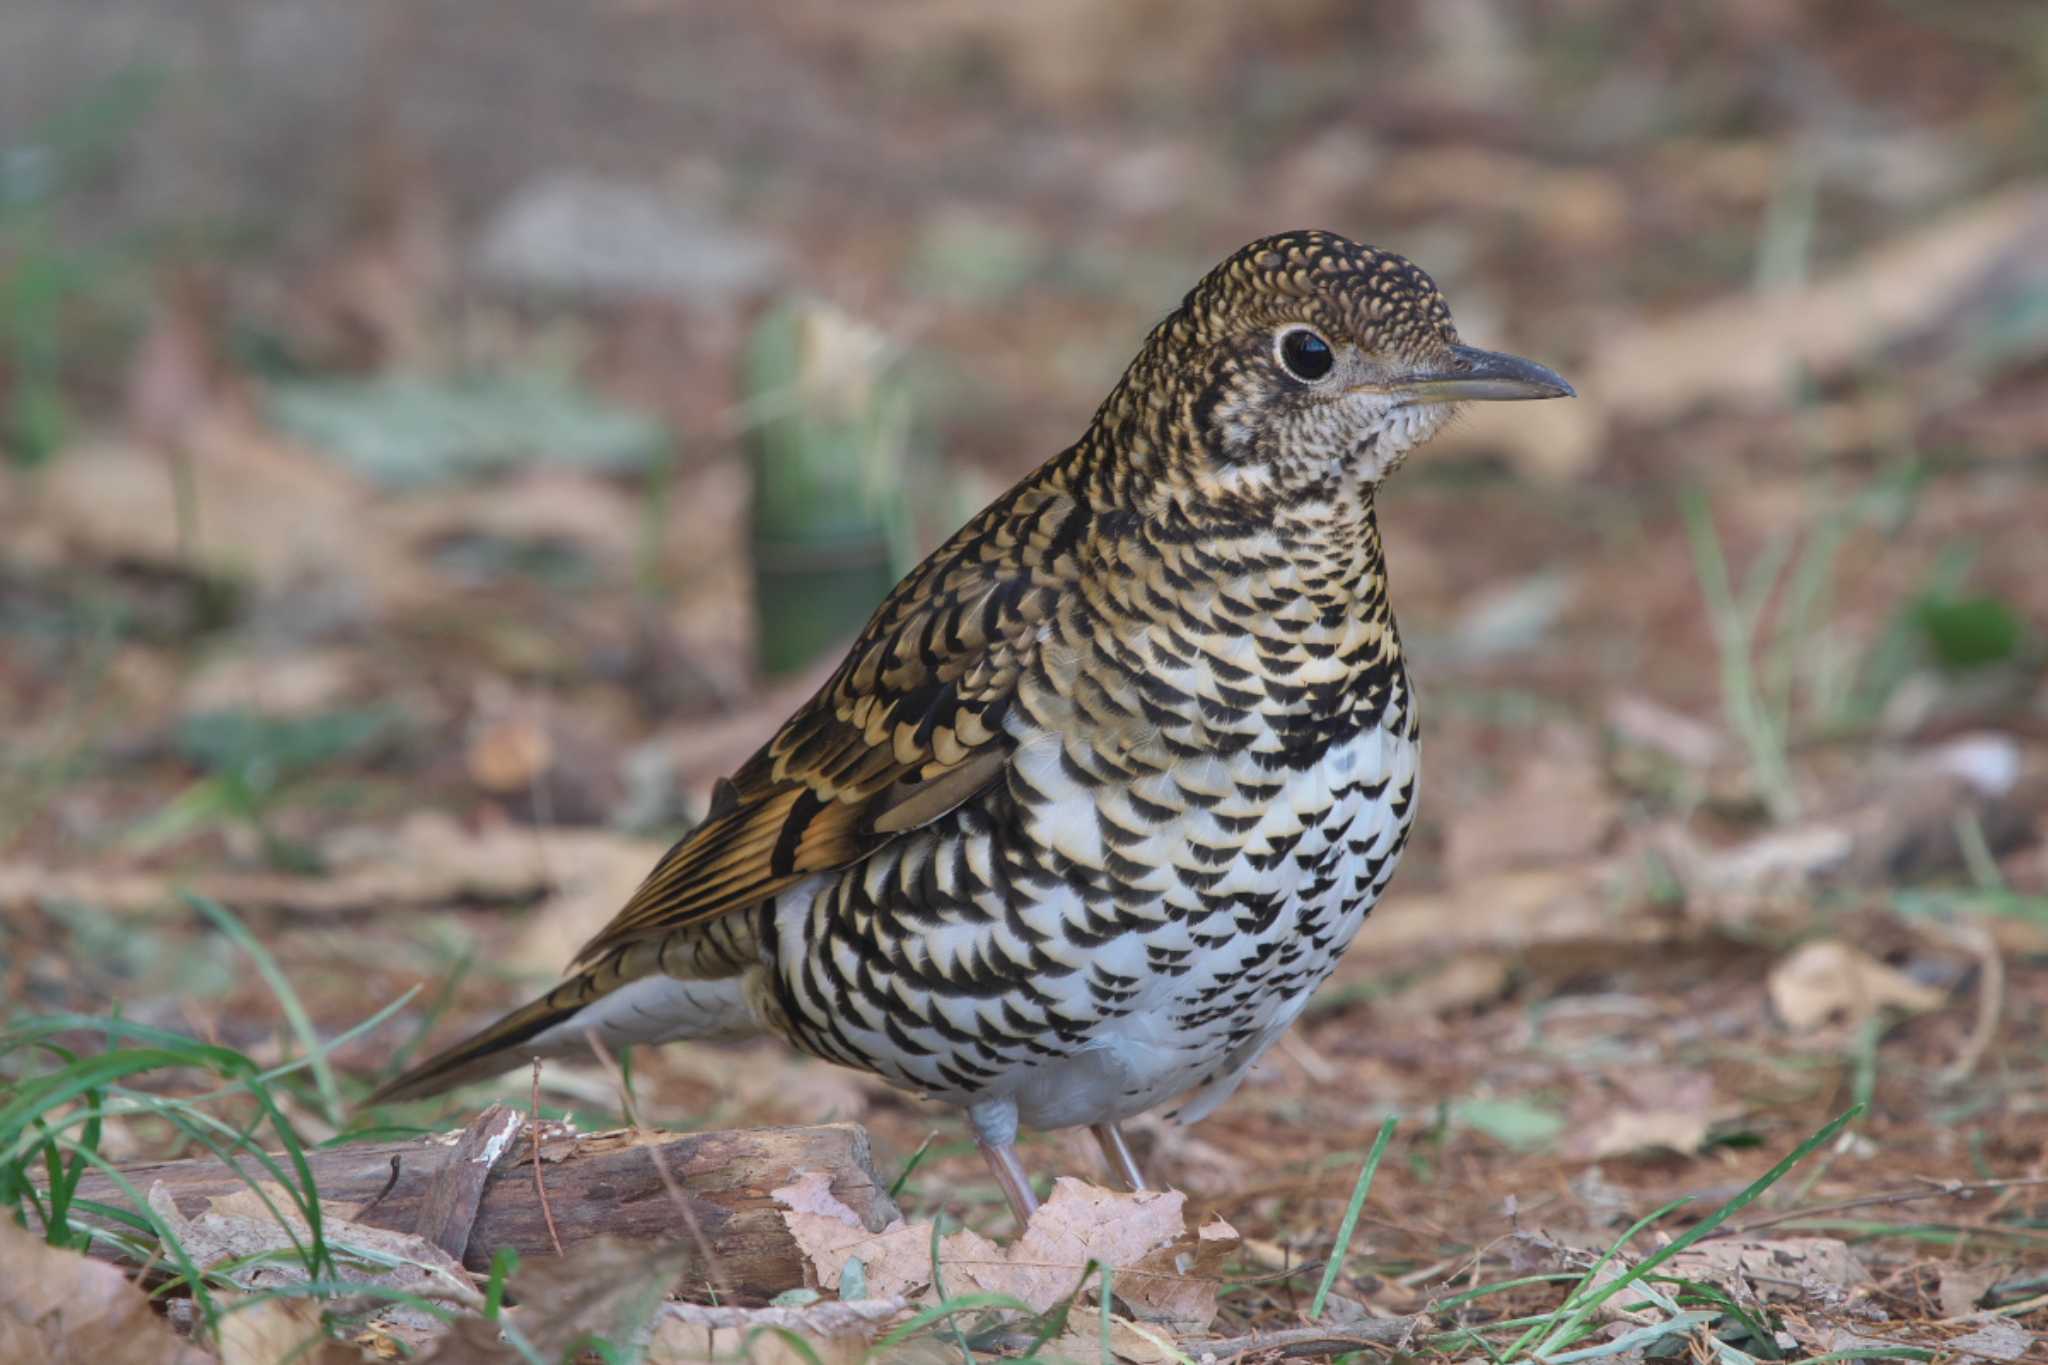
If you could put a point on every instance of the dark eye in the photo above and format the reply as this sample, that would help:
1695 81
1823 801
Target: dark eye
1306 355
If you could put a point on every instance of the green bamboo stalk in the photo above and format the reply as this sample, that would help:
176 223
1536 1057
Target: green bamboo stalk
829 435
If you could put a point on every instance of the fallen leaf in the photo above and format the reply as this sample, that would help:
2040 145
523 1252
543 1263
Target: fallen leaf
832 1332
1141 1235
605 1288
507 754
1963 1286
1744 350
1639 1130
260 1241
408 431
60 1308
1510 910
582 234
1177 1284
1132 1343
298 681
1998 1339
279 1332
1467 980
1827 978
579 877
1654 1108
1783 1268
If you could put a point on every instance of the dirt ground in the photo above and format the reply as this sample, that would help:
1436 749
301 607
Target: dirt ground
1736 726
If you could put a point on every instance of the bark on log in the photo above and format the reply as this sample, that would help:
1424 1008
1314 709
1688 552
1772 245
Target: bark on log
608 1184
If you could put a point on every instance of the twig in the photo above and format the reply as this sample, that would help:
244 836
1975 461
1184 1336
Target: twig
539 1186
1974 938
389 1186
1946 1189
1308 1341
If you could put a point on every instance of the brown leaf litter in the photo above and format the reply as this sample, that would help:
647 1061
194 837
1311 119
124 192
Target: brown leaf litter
1141 1237
59 1308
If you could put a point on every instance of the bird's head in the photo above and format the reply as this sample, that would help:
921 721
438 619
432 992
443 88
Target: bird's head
1307 362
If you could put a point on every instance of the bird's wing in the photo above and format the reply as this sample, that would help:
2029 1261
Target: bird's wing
910 725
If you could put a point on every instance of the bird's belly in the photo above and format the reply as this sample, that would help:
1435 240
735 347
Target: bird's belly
1231 965
1087 957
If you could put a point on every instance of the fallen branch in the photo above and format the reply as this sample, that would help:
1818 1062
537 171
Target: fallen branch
602 1184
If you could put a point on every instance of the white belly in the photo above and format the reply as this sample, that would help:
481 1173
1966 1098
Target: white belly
1220 986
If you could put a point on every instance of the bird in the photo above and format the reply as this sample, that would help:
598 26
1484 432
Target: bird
1111 779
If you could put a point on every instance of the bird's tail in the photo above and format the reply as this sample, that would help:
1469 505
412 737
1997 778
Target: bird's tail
536 1029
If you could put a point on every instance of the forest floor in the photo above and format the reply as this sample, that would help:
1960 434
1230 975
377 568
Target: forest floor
1735 815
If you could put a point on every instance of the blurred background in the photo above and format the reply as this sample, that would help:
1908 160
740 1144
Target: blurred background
441 438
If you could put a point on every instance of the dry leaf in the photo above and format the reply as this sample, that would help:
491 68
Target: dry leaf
582 876
1177 1284
1132 1343
508 754
1785 1268
1745 349
1639 1130
604 1288
1659 1108
1548 905
280 1332
1141 1235
1827 978
239 1226
1467 980
836 1333
1962 1286
1998 1339
59 1308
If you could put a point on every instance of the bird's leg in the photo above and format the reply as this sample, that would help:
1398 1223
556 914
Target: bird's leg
1124 1167
1117 1153
995 1130
1011 1177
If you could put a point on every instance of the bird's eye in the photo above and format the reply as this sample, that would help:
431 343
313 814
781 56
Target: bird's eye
1305 355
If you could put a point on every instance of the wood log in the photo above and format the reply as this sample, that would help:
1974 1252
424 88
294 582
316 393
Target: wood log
598 1184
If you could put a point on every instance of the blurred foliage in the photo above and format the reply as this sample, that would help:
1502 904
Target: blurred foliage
409 431
830 431
1969 632
63 302
251 760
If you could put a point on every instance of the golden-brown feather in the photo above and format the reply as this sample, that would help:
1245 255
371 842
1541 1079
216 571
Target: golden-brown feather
905 730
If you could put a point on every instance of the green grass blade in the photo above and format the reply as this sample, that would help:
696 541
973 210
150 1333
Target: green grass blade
1349 1226
287 998
1700 1229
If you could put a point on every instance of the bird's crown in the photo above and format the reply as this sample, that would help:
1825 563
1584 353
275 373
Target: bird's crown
1304 367
1378 299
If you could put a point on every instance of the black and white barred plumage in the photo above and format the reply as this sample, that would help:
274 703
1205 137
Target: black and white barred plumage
1112 778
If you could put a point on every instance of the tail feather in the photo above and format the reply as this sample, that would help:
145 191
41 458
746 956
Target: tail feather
486 1053
625 998
496 1048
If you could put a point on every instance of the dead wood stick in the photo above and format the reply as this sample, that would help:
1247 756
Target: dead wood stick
453 1197
601 1184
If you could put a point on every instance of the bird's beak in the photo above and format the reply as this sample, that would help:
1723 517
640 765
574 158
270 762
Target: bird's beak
1473 374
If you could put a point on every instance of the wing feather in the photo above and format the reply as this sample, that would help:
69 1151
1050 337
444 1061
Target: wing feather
907 728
